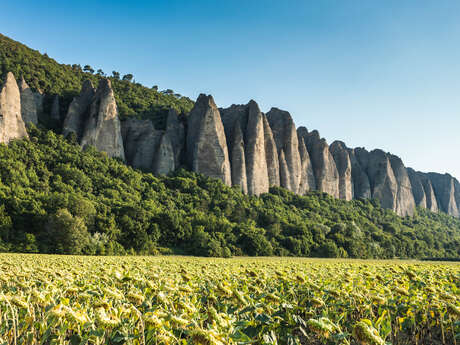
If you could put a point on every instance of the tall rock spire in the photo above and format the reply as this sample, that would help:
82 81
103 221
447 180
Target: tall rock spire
444 188
271 155
324 168
307 177
361 184
206 143
343 163
28 104
417 188
405 203
285 135
237 158
11 124
78 111
249 119
103 128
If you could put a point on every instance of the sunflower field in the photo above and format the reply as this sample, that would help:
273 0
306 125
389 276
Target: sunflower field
187 300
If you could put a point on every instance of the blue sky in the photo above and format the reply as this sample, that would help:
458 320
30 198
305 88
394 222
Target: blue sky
378 74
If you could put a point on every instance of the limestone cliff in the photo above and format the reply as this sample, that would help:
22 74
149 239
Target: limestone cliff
207 151
28 104
324 168
11 124
342 161
285 136
405 203
251 127
77 113
102 128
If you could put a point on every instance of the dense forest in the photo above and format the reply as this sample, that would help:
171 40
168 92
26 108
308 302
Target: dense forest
57 198
46 75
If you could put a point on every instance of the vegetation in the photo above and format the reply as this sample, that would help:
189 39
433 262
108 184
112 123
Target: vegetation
158 300
56 198
45 74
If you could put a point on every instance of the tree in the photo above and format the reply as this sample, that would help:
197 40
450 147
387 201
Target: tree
100 72
87 68
68 234
116 74
155 87
128 77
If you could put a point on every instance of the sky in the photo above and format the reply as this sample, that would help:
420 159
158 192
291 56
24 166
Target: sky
374 74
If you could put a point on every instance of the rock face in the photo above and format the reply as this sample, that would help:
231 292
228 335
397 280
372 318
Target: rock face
271 155
383 181
444 189
77 113
343 163
307 177
256 164
55 110
405 203
324 168
164 160
176 134
249 119
237 158
102 128
285 135
417 188
284 170
141 141
206 143
28 104
11 123
431 202
242 147
361 184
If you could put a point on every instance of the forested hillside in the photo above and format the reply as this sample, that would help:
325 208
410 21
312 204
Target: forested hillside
56 198
45 74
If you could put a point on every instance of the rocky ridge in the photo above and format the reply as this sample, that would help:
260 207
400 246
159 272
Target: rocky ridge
239 145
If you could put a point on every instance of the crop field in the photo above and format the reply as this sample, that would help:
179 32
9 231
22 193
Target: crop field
186 300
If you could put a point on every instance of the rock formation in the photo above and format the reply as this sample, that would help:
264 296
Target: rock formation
102 128
271 155
164 160
77 113
238 145
382 179
343 163
206 143
405 204
176 135
28 104
443 185
307 177
361 184
284 169
237 158
141 141
285 135
324 168
431 202
250 120
11 124
417 188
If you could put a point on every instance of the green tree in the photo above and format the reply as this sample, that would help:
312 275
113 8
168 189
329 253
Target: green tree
68 234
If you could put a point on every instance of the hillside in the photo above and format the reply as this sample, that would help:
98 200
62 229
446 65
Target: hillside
45 74
57 198
140 171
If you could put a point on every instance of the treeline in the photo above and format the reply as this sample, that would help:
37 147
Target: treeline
45 74
56 198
